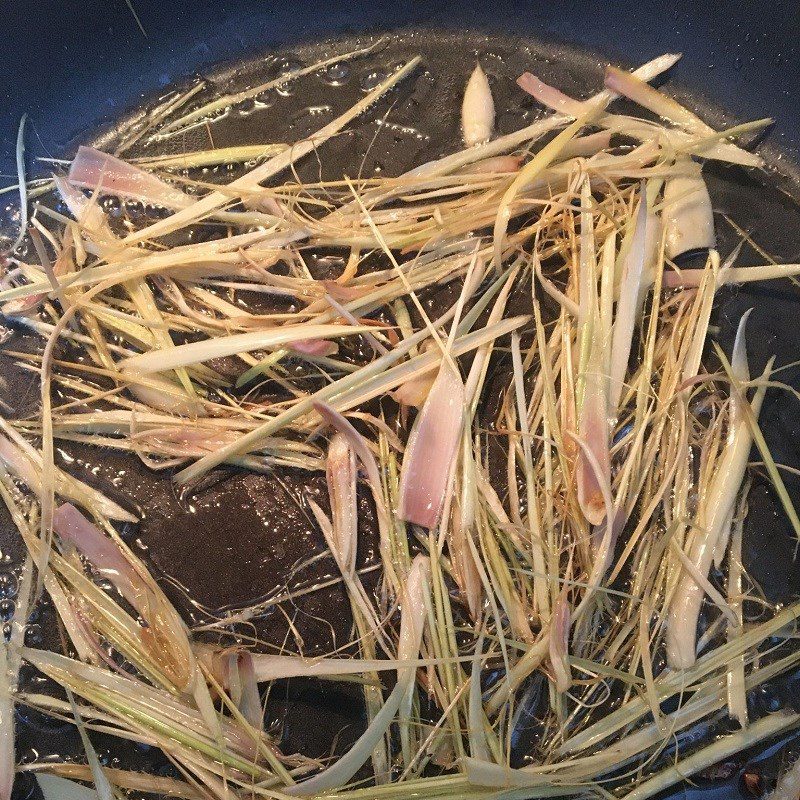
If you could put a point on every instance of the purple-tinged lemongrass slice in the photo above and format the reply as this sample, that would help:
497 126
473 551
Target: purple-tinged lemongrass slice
549 96
559 643
477 109
95 170
356 441
22 465
431 450
104 554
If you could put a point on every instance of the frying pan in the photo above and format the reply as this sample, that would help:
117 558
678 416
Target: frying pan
73 65
76 69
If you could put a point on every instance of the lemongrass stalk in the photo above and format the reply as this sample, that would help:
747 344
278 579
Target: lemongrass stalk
477 720
145 304
125 698
156 115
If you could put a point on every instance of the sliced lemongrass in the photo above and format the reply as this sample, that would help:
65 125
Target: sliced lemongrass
431 449
104 173
592 396
530 171
477 109
102 785
7 750
722 748
628 85
21 184
55 788
688 216
714 515
633 275
532 132
26 464
353 384
56 782
737 699
691 277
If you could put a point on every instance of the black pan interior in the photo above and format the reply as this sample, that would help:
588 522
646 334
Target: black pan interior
212 560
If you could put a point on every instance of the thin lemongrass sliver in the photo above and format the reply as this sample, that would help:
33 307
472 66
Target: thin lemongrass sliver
196 352
626 311
692 277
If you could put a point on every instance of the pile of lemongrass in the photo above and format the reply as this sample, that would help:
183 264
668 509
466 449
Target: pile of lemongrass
548 508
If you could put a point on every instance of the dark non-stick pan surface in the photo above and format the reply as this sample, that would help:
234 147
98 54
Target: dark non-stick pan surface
212 559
